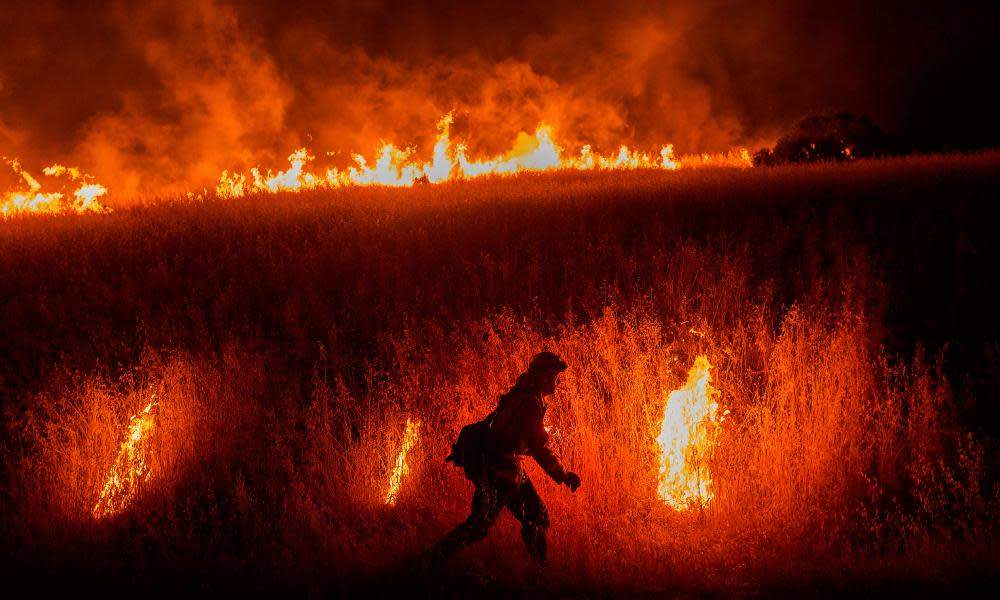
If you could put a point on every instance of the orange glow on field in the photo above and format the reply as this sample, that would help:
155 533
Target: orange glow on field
687 439
394 166
30 197
132 467
401 468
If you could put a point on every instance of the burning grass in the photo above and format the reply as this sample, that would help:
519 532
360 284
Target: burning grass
28 196
133 467
688 439
833 459
400 469
287 454
396 167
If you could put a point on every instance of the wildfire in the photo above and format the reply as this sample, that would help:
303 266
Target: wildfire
31 199
401 468
132 467
450 161
391 166
687 440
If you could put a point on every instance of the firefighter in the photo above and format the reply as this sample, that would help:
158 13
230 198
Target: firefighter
515 429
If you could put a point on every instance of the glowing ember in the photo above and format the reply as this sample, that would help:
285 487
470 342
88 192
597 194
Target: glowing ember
687 439
132 467
31 198
401 468
396 167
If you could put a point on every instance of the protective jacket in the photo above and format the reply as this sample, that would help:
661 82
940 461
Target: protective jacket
518 430
489 452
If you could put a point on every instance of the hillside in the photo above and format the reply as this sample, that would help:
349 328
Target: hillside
284 341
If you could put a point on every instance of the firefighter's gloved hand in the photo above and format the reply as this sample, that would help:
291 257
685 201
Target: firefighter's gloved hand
572 481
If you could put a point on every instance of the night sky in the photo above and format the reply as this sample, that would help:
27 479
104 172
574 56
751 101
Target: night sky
161 96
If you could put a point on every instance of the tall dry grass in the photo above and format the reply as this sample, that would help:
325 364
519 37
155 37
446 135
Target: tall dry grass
288 341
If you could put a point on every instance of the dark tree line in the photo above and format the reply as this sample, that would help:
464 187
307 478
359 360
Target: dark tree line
829 137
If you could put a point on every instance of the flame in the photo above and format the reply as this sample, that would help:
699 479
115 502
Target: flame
450 161
738 158
391 166
687 440
396 479
31 198
132 467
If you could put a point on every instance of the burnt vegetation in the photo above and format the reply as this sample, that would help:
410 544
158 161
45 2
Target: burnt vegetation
848 310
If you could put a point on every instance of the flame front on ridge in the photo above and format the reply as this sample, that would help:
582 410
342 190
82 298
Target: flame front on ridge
31 199
396 167
391 166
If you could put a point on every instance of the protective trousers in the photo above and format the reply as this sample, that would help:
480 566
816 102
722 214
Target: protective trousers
492 494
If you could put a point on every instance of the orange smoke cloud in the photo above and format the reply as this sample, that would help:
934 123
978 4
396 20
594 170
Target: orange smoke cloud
219 100
159 97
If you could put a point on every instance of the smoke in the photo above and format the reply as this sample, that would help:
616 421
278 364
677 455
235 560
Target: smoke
218 99
159 97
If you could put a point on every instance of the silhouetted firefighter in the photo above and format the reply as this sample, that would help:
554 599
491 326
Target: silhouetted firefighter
489 451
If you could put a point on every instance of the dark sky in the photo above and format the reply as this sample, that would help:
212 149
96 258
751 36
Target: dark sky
163 95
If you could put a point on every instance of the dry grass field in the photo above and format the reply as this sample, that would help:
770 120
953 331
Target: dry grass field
283 341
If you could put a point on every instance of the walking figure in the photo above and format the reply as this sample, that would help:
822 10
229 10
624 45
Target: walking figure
489 451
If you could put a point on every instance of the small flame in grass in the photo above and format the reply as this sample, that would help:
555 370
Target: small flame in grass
31 198
687 440
132 467
401 468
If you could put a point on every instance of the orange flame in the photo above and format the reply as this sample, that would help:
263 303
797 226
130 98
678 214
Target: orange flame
401 468
396 167
687 440
31 198
132 467
392 166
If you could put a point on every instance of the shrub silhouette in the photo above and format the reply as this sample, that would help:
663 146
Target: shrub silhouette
831 137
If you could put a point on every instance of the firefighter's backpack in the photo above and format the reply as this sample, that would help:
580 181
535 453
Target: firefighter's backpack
475 444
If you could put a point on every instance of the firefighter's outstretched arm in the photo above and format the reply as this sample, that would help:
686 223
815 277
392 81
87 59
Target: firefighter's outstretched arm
538 446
